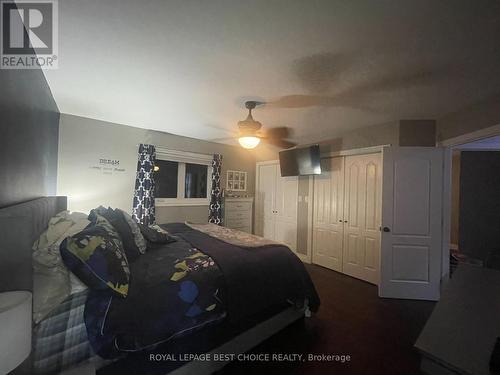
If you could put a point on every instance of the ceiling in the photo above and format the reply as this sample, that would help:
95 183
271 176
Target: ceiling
327 67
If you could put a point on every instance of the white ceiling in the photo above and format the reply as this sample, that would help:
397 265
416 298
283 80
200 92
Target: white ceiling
186 67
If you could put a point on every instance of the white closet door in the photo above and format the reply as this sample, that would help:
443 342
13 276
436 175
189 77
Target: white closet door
266 190
328 214
411 220
362 208
285 209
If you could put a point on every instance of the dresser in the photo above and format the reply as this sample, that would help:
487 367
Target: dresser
238 213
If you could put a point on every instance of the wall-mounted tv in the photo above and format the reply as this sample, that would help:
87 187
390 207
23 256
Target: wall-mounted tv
300 161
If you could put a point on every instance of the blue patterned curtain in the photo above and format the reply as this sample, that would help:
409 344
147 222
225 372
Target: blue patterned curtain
215 208
143 210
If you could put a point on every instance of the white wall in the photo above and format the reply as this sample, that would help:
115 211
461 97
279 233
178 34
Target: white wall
83 141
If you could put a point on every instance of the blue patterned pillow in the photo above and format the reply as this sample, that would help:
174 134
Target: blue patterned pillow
96 257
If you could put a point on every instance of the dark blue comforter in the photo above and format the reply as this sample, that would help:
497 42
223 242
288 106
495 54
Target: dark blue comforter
174 290
183 286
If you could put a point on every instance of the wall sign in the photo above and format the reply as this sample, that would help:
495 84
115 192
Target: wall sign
107 166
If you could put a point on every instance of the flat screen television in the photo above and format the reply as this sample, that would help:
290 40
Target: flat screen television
300 161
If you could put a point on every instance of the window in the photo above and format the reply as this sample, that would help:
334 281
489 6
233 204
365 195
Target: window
166 175
181 178
196 181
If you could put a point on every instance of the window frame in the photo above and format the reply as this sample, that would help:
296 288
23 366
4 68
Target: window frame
183 157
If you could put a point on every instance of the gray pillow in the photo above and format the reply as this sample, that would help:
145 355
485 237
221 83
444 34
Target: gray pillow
139 239
117 220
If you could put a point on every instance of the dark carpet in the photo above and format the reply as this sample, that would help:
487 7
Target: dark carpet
378 334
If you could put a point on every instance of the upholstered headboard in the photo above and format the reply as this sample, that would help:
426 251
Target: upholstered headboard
20 226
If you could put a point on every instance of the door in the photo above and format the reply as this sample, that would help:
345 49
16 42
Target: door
411 220
362 217
285 209
328 214
266 190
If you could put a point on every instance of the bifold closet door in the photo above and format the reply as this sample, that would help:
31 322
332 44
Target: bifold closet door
285 210
266 195
328 214
362 216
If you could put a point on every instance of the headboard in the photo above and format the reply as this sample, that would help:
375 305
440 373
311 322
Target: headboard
20 226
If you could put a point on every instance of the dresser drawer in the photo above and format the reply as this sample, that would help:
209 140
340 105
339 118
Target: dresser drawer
238 222
238 206
238 214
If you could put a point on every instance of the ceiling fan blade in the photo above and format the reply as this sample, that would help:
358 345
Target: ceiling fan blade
302 101
225 130
221 139
278 132
282 143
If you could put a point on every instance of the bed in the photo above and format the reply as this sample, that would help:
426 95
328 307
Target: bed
198 297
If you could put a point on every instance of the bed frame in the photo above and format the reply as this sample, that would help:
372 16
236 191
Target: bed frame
243 342
22 224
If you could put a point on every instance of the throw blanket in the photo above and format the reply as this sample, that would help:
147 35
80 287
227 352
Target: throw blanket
232 236
255 279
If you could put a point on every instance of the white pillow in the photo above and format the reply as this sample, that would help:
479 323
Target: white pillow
51 280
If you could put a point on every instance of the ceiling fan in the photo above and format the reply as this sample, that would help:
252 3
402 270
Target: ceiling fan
250 133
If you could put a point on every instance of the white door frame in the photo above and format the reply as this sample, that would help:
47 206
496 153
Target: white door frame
491 131
449 144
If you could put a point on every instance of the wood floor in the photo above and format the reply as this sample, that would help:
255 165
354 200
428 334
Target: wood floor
378 334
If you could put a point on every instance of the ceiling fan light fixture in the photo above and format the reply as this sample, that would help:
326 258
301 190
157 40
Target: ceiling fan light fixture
249 142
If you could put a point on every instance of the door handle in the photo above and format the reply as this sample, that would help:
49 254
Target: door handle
386 229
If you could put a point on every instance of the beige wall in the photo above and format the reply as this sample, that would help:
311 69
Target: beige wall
376 135
478 116
83 141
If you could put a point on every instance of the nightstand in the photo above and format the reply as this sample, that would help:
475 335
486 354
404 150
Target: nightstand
15 329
